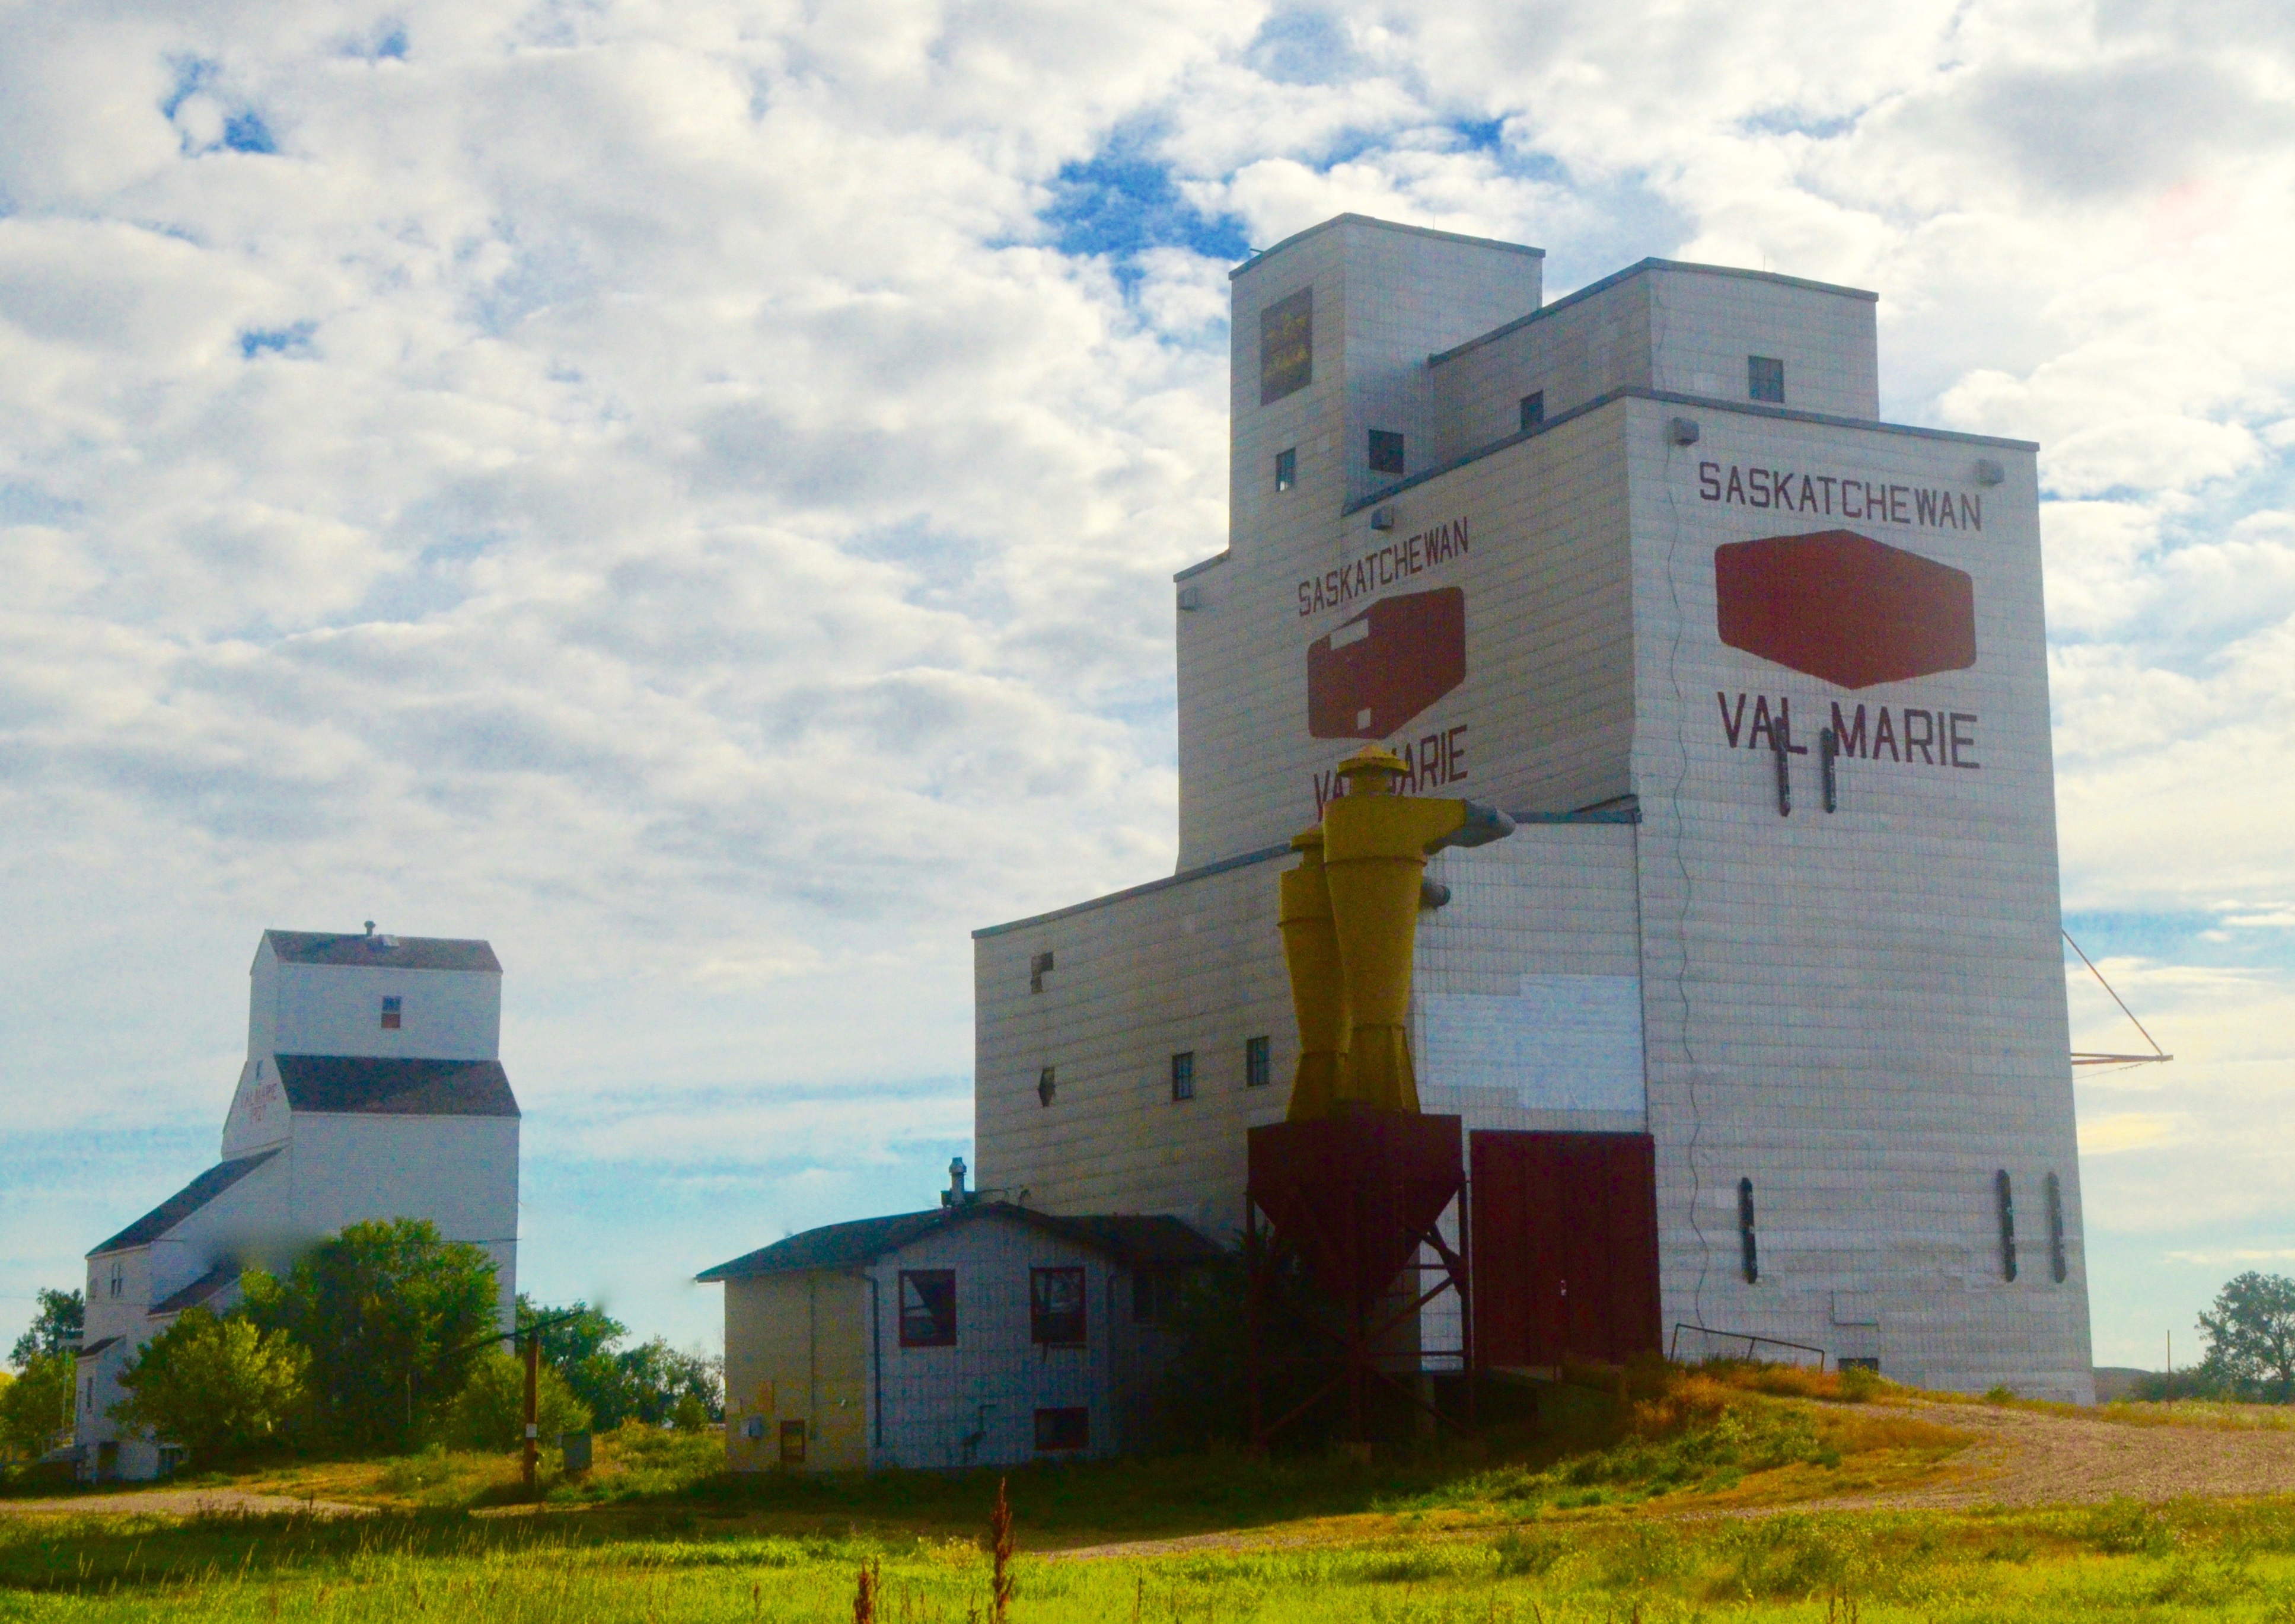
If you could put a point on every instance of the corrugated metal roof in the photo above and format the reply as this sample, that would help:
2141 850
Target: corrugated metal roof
201 1290
371 1086
391 952
184 1201
1133 1240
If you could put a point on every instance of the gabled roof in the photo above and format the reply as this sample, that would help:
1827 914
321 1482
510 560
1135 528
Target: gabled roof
1132 1240
204 1289
389 952
184 1203
371 1086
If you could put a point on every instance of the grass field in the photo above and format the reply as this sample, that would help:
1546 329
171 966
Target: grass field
1688 1502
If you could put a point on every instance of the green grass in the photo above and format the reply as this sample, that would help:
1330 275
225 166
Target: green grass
2122 1561
1671 1498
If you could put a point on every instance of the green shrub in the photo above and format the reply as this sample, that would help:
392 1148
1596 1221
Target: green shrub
218 1387
490 1411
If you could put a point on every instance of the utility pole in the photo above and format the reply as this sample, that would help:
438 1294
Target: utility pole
533 1450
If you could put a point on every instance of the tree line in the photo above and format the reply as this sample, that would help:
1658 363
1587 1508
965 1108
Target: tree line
381 1339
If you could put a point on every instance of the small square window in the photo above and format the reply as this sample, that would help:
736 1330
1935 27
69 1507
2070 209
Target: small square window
390 1014
1385 452
1256 1072
792 1443
1183 1075
1063 1428
1533 410
1047 1086
1056 1307
1765 379
929 1308
1287 469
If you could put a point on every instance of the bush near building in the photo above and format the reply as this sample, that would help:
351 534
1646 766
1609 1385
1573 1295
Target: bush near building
220 1388
36 1405
653 1382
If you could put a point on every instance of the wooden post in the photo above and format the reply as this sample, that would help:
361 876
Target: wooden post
532 1447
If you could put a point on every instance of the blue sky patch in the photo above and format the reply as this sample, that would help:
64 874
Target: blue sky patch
1120 203
294 341
245 132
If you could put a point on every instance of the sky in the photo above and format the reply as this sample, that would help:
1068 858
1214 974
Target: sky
688 492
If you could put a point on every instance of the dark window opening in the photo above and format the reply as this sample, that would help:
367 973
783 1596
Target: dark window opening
1533 410
1155 1293
927 1307
1287 469
391 1010
1853 1362
1385 452
1183 1075
792 1443
2007 1202
1286 346
1047 1086
1040 966
2057 1267
1765 379
1056 1307
1256 1072
1063 1428
1749 1255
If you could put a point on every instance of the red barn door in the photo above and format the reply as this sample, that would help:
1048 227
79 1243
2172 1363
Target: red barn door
1565 1247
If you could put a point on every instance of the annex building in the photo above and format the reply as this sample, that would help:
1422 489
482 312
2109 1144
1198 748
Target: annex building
373 1089
1756 1023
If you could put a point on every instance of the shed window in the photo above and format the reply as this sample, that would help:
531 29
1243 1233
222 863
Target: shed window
1749 1250
1064 1429
390 1014
1765 379
1533 410
1183 1075
1286 346
1056 1307
1385 452
927 1307
1287 469
792 1443
1256 1073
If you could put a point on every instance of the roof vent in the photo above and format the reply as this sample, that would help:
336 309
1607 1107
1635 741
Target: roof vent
370 928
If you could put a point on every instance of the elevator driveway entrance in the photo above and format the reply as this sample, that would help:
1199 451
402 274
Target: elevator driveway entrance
1564 1247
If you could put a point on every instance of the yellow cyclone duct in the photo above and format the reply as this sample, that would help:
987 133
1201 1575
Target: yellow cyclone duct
1319 993
1368 860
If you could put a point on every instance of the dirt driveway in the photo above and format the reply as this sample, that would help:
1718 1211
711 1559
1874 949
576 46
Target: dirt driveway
179 1503
2029 1458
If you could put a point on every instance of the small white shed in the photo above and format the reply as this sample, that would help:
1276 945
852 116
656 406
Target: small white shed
980 1334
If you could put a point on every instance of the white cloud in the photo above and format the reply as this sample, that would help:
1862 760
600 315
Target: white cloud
644 483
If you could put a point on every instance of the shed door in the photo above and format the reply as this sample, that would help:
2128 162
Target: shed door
1564 1247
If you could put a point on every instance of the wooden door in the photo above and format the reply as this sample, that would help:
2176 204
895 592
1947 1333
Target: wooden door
1564 1247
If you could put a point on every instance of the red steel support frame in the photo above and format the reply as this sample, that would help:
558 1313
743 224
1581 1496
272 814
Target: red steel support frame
1357 1200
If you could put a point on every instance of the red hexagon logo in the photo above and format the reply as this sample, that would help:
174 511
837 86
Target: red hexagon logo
1844 608
1377 670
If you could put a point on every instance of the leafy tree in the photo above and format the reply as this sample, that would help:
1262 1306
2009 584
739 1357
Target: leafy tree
490 1412
218 1387
394 1318
55 1329
2250 1336
37 1404
647 1382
